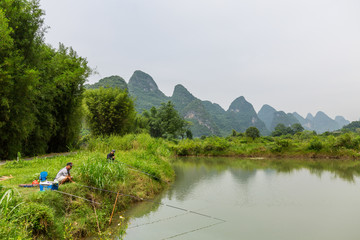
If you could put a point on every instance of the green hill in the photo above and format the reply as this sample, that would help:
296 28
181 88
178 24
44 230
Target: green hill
194 111
147 94
209 118
109 82
266 114
353 127
242 115
281 117
323 123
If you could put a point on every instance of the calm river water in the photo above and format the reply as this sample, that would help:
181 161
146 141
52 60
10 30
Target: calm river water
254 199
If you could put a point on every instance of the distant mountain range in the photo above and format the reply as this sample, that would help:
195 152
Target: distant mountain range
209 118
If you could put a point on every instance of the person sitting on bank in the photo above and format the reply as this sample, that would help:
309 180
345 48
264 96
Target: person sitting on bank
64 174
111 155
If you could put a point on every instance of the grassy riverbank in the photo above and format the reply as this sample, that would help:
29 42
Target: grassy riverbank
302 145
27 213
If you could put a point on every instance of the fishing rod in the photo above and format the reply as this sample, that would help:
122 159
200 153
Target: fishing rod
76 196
220 221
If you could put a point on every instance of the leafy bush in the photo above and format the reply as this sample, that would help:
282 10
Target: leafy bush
315 144
280 145
347 141
39 217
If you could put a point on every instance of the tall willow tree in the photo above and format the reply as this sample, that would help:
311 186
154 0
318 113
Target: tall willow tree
40 87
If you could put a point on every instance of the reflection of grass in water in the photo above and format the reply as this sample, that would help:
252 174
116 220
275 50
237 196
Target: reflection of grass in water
143 208
344 169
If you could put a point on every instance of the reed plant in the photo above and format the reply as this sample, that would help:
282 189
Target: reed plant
97 171
11 215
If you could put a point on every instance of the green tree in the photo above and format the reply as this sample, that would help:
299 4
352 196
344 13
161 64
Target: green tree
41 88
166 122
62 85
109 111
353 127
233 133
296 127
252 132
189 134
281 129
19 31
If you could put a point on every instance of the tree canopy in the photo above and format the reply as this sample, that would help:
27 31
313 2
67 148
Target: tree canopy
281 129
109 111
352 127
41 87
166 122
252 132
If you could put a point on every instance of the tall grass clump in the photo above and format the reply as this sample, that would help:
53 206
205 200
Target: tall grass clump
98 171
11 216
315 144
149 163
129 142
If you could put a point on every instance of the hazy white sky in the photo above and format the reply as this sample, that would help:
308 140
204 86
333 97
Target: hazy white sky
295 55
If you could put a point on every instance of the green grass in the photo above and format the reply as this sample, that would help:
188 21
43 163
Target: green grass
67 217
298 146
26 213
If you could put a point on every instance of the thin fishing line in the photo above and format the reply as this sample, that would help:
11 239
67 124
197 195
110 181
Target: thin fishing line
76 196
152 201
156 221
165 219
194 230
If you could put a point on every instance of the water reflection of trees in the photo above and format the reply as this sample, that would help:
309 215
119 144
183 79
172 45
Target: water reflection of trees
191 171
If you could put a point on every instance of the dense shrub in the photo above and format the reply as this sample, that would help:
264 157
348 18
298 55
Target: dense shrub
38 217
315 144
347 141
280 145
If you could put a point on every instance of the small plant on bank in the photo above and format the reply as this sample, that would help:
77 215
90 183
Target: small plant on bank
315 144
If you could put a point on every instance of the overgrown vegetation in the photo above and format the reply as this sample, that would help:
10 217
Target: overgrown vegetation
109 111
41 87
51 214
41 109
301 144
166 122
28 213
